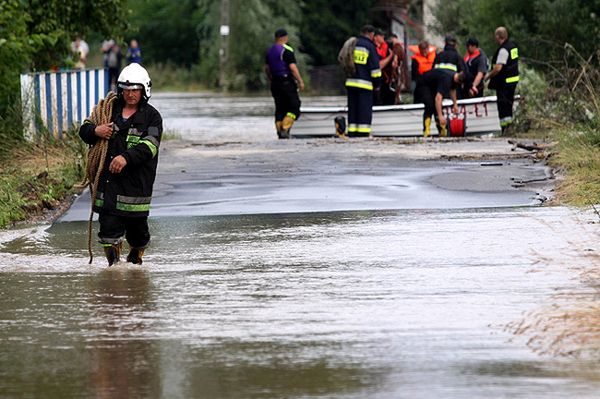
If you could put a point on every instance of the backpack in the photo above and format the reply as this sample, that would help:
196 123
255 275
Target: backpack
346 56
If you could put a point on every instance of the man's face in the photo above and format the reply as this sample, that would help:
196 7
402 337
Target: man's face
132 96
378 39
424 50
471 48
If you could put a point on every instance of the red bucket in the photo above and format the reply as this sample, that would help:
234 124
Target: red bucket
457 124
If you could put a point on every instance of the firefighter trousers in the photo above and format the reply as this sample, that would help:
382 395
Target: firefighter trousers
360 112
506 98
428 99
287 101
113 228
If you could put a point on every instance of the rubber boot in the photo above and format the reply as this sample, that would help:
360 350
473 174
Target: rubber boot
443 131
279 128
426 127
340 126
135 255
286 125
112 252
506 129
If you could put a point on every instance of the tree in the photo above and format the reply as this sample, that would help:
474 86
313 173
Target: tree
326 25
252 23
166 30
54 24
35 35
540 27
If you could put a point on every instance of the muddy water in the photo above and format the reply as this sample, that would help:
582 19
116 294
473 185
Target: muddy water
384 303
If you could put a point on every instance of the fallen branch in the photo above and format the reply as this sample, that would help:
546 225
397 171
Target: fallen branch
531 147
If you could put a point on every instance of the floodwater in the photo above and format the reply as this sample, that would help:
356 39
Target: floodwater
363 300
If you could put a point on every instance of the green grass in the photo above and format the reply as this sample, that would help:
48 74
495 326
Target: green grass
37 177
578 155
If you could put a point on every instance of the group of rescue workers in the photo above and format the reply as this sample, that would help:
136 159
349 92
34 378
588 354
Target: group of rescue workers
377 73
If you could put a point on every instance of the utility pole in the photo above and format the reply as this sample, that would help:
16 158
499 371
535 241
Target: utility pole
224 44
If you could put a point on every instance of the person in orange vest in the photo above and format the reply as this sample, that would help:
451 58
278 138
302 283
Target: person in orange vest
422 61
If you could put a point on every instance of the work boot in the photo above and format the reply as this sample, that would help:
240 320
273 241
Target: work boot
340 126
135 255
443 131
286 125
427 127
279 128
112 252
506 129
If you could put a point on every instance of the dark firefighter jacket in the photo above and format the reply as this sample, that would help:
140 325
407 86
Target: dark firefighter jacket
449 59
366 62
137 139
509 74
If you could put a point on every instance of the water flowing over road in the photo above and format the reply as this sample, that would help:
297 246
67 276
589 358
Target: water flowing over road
316 268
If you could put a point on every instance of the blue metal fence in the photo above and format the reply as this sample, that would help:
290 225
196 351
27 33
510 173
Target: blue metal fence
60 99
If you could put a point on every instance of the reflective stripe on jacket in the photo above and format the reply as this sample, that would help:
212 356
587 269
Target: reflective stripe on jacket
137 139
366 62
509 73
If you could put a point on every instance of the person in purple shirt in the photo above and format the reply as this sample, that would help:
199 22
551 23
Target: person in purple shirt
134 53
286 81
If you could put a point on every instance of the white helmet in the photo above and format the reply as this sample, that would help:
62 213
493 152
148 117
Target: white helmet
134 76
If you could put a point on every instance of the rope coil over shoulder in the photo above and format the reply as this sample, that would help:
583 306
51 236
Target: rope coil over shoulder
96 156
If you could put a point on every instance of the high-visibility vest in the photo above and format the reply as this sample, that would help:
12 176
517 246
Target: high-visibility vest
509 74
425 63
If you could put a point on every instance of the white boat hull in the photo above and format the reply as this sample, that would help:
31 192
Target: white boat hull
399 120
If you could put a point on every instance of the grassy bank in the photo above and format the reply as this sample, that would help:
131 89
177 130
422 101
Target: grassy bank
578 155
36 178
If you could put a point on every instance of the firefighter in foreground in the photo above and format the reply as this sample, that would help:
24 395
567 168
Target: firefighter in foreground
285 78
125 186
360 84
504 76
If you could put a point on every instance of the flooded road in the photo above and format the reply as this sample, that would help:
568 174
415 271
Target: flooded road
396 284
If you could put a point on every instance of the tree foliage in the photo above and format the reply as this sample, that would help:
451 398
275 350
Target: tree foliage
54 24
35 35
166 30
252 23
187 34
540 27
326 25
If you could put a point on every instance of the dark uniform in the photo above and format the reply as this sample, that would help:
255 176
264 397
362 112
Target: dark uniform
123 199
360 88
283 87
475 63
505 83
449 60
435 81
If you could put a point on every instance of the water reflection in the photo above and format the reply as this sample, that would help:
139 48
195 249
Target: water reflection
342 305
121 364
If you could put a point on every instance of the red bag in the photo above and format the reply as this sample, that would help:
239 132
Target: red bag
457 124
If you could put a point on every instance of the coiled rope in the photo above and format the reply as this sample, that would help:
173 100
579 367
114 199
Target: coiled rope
96 156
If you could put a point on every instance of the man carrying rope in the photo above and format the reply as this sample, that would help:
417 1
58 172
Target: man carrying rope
123 189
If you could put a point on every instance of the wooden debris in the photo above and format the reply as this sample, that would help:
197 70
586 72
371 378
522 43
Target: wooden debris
531 147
